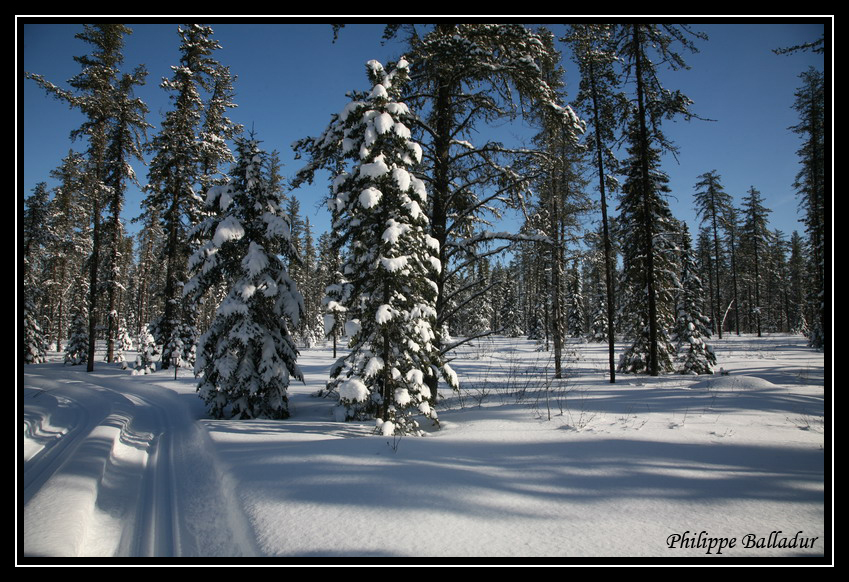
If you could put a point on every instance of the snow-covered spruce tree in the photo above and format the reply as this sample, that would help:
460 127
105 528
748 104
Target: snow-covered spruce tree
796 293
76 349
535 267
125 145
188 150
811 184
636 44
692 327
648 253
599 327
123 344
312 323
464 77
247 358
575 302
777 283
181 348
66 254
506 304
510 317
600 98
334 301
94 95
713 205
36 240
148 352
754 241
390 263
35 346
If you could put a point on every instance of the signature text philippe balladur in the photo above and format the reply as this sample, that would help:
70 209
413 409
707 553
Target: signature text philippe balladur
712 544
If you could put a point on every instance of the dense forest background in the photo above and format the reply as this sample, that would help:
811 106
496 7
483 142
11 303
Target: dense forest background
638 277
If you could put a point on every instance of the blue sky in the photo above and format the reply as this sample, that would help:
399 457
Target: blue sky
292 77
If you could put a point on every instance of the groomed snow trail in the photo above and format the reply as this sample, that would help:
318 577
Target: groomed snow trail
114 465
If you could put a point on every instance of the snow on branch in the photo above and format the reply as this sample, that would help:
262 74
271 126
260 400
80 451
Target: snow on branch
486 236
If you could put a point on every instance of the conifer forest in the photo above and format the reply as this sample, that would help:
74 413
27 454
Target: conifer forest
485 346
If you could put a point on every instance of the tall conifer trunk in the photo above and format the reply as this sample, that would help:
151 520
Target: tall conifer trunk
648 231
439 212
608 253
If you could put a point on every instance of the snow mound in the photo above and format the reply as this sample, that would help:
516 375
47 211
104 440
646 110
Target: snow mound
734 384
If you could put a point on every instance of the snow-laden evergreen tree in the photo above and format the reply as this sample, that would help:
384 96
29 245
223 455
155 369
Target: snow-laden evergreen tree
36 239
536 321
732 237
506 307
76 348
217 129
247 358
390 263
602 101
692 326
576 315
535 265
637 43
466 76
713 205
598 311
95 95
34 343
126 139
187 152
181 348
333 302
295 264
123 344
474 290
562 200
148 352
648 253
754 241
511 320
812 187
311 330
463 77
69 246
796 276
599 328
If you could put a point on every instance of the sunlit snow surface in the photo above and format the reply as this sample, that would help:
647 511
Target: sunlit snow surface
522 466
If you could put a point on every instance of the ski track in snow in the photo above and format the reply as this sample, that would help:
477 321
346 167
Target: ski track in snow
124 466
116 465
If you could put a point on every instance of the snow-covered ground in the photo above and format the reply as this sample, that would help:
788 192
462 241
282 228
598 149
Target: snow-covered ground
523 466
